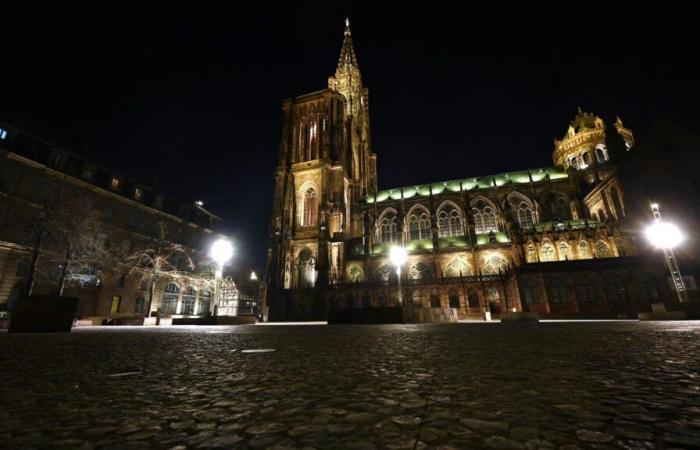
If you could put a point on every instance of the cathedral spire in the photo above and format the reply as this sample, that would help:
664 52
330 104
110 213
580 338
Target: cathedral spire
347 53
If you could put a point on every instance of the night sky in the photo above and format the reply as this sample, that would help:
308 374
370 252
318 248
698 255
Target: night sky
186 98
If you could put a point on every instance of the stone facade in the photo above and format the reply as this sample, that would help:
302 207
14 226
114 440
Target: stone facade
472 242
131 216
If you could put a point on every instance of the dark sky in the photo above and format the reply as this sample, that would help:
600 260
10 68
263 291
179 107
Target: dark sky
186 96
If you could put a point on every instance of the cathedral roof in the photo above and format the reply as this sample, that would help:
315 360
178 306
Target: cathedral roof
468 184
584 120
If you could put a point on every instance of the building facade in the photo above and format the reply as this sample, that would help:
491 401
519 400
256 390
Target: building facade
552 240
38 179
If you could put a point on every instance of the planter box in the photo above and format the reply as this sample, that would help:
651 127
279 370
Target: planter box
43 314
519 317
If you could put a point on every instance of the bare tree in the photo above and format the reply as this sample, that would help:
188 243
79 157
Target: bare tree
163 259
61 230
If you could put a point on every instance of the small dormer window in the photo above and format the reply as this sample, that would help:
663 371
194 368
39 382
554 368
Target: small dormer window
87 172
159 202
3 134
115 184
138 193
56 159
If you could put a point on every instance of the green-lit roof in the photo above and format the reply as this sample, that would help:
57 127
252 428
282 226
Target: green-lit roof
469 184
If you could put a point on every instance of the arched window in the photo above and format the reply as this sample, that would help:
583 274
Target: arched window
564 251
138 305
419 225
384 273
309 209
601 215
307 269
355 274
584 250
586 158
434 299
585 290
531 255
473 298
547 252
450 222
601 153
387 228
557 293
453 297
484 217
617 290
416 298
573 162
204 302
171 293
602 249
648 290
420 271
525 216
187 307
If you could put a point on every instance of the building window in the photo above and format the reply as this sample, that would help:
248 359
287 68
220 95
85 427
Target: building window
307 269
525 216
116 303
585 290
138 193
531 295
648 291
171 293
3 133
531 255
564 251
617 289
415 297
121 281
56 159
584 250
456 268
484 218
548 253
454 299
114 185
419 226
158 203
388 229
450 222
133 221
557 292
143 285
309 208
204 302
188 298
138 305
602 249
434 299
473 299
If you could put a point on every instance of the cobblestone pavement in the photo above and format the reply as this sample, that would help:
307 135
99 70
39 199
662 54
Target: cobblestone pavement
476 386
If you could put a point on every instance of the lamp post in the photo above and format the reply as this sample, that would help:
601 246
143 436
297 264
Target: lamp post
666 236
221 251
397 256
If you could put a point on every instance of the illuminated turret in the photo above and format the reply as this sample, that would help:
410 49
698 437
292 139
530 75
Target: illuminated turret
584 144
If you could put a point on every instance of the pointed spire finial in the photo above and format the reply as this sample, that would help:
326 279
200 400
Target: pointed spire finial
347 26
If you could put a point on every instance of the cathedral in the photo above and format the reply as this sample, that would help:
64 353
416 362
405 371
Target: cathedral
551 240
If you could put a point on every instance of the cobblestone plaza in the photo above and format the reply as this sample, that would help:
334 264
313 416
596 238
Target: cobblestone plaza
622 385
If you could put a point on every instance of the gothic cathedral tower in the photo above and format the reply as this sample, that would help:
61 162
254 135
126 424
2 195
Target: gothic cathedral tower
325 165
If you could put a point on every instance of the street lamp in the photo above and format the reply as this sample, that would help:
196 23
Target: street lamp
667 236
397 256
221 251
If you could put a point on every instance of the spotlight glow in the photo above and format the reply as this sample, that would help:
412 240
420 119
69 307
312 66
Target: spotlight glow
397 256
221 251
664 235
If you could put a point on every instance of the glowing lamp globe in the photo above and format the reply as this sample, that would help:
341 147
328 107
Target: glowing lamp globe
221 251
397 256
664 235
